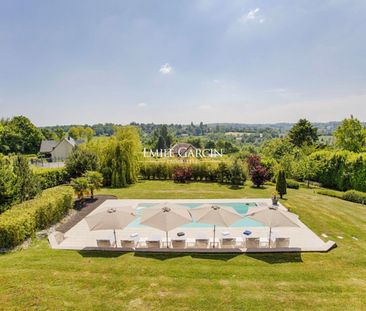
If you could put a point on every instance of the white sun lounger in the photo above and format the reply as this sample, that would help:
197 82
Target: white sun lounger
281 242
128 243
153 242
252 242
228 242
104 243
179 243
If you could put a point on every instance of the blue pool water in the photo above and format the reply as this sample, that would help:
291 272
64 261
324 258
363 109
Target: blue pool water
241 208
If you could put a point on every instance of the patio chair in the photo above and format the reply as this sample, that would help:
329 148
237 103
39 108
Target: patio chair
153 243
104 243
228 242
281 243
252 243
202 242
128 243
178 243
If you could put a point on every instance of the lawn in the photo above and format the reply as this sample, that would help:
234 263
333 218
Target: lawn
40 278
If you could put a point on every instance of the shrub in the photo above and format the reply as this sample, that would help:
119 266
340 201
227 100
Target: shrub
281 184
341 170
237 175
292 184
258 175
182 174
80 161
80 186
331 193
23 220
52 177
355 196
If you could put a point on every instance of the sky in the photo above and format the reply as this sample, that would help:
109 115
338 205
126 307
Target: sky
175 61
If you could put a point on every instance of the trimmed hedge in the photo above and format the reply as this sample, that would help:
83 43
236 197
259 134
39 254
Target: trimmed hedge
23 220
350 195
341 170
355 196
331 193
51 177
292 184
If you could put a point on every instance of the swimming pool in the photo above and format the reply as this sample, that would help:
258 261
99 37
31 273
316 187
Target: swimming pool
241 208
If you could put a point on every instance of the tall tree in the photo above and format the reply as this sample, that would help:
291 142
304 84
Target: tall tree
59 133
351 135
303 132
20 135
281 184
27 183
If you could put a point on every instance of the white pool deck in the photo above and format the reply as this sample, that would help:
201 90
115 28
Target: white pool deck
79 237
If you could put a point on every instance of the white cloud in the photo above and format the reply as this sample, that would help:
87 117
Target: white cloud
141 105
166 69
253 15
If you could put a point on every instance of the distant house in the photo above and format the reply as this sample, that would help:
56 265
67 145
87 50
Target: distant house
182 149
58 150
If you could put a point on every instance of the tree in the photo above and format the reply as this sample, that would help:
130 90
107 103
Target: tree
253 161
210 144
48 134
277 148
88 133
26 182
303 133
161 145
80 161
351 135
59 133
258 175
74 132
81 186
182 174
237 174
223 172
281 184
20 135
8 190
95 181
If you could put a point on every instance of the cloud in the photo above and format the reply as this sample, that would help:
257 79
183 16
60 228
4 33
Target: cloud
254 16
166 69
141 105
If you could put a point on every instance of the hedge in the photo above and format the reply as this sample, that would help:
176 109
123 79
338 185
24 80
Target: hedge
23 220
350 195
292 184
51 177
341 170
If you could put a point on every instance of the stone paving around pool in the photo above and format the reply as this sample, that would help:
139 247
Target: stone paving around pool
79 237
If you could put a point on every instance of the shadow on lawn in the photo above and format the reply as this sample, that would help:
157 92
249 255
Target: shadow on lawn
167 256
277 258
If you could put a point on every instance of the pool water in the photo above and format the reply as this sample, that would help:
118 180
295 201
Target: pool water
241 208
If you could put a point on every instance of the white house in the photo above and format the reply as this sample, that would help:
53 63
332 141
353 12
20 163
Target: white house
58 150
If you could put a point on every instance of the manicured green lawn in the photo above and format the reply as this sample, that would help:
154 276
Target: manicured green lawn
40 278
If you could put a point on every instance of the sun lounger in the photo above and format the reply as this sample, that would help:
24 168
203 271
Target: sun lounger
153 242
228 242
252 242
281 242
128 243
201 242
179 243
104 243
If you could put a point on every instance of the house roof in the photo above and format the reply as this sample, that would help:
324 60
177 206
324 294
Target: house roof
182 148
47 146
